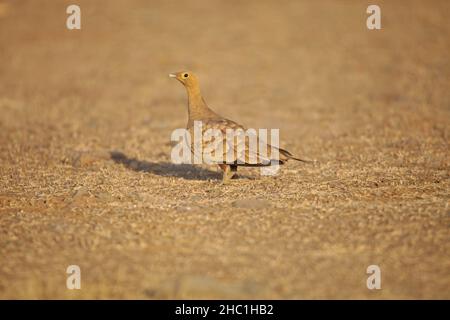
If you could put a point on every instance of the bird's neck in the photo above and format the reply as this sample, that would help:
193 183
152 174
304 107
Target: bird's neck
197 107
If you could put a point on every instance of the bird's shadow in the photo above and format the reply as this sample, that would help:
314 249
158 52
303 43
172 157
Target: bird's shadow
165 169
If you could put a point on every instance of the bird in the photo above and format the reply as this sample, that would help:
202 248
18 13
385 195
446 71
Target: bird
231 158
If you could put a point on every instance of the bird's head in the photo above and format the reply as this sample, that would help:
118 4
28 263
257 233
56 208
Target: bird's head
187 78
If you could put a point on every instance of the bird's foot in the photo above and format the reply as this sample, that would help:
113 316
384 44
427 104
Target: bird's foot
227 176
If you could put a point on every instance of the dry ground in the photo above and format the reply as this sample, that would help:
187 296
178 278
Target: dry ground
86 177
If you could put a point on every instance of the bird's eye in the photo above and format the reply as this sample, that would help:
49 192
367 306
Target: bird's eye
185 75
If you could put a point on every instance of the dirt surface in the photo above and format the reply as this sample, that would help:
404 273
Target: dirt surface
86 176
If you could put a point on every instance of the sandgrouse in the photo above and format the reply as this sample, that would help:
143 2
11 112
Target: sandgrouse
198 111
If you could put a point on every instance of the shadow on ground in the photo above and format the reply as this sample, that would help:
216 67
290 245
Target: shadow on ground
165 169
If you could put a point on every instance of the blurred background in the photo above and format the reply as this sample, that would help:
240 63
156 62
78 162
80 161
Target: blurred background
86 178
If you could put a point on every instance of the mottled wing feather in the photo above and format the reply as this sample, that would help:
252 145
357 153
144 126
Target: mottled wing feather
220 145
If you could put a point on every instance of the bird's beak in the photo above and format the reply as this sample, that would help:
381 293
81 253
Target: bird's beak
172 75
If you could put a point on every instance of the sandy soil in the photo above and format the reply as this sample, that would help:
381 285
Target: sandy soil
86 176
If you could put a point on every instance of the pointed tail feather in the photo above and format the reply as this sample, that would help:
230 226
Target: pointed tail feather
289 155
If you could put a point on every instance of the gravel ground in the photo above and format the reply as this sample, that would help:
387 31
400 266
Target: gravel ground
85 172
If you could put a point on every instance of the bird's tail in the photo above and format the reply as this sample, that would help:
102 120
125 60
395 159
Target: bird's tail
289 155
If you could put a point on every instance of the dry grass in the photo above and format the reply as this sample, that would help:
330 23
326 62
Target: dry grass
86 177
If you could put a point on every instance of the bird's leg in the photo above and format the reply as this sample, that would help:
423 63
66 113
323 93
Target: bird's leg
227 173
234 171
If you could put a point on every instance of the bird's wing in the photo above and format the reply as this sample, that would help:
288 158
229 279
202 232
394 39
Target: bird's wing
225 141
